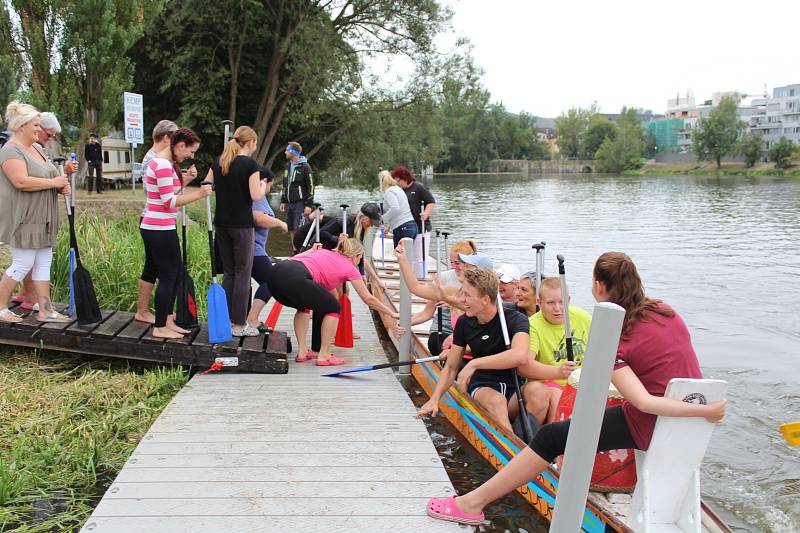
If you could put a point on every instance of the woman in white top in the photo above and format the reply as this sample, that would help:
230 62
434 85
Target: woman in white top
396 214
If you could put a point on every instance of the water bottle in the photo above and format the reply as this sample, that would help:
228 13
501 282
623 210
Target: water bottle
72 156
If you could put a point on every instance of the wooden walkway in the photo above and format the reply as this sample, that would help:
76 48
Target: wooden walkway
119 335
290 453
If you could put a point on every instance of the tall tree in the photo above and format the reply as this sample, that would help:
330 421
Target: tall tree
751 147
571 128
625 151
598 129
782 153
717 135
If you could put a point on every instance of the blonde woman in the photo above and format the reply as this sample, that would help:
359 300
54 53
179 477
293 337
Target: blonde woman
29 188
306 281
396 211
237 182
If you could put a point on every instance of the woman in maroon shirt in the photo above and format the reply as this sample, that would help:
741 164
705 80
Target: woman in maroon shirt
654 348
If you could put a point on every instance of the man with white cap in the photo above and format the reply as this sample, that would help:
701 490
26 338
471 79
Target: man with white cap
509 279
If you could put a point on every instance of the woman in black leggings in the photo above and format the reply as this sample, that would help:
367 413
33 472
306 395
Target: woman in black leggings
654 348
306 281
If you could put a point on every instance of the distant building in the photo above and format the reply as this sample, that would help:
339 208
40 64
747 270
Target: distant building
777 116
666 132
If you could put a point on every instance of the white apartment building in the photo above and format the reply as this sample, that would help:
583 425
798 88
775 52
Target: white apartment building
778 116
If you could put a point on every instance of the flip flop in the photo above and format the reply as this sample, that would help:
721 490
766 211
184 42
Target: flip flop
307 357
6 315
331 361
54 317
446 509
18 299
29 307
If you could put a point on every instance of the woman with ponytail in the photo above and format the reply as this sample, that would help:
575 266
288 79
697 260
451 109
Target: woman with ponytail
305 282
237 184
162 186
654 348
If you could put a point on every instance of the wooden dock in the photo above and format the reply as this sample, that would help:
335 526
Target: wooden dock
288 453
119 335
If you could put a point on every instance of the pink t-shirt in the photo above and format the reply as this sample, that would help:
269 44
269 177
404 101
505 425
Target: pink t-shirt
656 350
329 269
161 185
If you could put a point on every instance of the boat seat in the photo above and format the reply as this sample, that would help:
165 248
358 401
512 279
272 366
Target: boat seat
667 494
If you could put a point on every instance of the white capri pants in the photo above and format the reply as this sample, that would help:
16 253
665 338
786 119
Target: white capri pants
35 261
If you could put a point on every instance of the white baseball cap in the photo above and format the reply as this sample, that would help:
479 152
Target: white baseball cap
507 273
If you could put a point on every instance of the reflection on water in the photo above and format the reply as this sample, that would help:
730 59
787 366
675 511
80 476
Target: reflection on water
725 252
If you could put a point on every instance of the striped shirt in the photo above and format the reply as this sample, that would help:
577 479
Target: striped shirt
161 185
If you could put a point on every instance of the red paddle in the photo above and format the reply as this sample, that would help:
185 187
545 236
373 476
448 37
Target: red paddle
344 330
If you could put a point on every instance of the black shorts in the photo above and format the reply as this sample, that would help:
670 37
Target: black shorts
294 214
506 389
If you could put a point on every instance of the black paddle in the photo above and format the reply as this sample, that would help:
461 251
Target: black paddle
422 236
439 326
86 306
186 305
565 305
527 431
446 249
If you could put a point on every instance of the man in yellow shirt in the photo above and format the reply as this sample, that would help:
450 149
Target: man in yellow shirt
548 345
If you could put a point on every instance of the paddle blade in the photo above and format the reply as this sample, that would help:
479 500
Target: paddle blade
348 371
274 314
344 330
219 322
791 432
186 304
86 306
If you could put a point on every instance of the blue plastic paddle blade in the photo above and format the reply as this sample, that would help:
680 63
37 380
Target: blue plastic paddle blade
71 309
219 322
349 371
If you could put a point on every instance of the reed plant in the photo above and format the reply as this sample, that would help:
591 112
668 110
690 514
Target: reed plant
67 425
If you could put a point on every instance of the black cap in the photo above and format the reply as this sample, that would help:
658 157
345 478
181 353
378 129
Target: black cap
266 173
372 211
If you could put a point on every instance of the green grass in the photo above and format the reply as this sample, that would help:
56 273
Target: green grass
67 425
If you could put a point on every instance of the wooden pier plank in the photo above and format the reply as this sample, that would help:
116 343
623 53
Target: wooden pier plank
133 331
85 330
113 325
300 452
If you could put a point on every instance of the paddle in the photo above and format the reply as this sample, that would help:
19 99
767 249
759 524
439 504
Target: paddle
539 247
186 308
565 304
274 314
309 234
527 431
316 229
446 249
86 306
382 365
59 161
439 325
219 321
422 234
791 432
344 329
383 238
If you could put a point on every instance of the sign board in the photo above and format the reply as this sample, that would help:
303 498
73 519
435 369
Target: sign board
134 118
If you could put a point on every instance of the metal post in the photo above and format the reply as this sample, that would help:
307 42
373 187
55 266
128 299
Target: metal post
228 124
404 347
133 160
319 214
587 417
446 249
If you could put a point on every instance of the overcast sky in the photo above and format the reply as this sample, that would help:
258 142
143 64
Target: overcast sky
546 56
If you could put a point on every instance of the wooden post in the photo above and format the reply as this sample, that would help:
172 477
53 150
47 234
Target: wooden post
587 417
405 309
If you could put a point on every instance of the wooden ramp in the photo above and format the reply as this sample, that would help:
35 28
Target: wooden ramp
119 335
291 453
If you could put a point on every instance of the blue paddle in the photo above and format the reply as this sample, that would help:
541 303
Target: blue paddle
219 321
383 365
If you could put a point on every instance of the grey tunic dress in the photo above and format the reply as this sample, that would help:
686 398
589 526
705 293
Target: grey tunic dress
28 220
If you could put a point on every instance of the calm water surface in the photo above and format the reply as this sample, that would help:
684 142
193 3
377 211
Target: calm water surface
725 252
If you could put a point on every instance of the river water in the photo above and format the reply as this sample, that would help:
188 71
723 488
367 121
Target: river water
725 252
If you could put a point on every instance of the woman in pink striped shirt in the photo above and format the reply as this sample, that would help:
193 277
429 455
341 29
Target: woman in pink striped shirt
158 227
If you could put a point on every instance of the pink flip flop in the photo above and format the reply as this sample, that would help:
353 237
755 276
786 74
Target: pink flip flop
446 509
332 361
307 357
18 299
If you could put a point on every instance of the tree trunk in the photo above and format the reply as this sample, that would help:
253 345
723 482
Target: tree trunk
719 161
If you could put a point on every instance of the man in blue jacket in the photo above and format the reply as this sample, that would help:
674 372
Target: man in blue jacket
297 197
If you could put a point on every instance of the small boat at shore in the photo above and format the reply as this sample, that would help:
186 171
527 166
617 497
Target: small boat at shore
605 512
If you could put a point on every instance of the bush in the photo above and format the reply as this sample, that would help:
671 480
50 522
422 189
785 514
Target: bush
782 153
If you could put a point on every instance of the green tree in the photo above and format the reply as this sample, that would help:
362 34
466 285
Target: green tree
751 146
624 152
571 128
717 135
782 153
596 132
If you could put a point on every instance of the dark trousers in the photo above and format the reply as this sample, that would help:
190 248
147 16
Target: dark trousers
262 269
409 229
161 246
95 168
236 252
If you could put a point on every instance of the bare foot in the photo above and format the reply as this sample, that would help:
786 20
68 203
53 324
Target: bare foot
146 317
177 329
166 333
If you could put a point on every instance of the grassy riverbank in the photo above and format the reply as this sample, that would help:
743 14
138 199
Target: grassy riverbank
709 169
67 425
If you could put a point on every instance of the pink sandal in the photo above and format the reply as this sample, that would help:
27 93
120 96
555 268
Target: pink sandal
307 357
331 361
446 509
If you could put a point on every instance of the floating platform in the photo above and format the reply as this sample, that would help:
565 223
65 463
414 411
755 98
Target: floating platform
119 335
